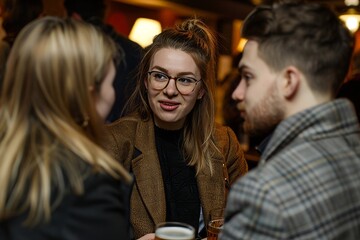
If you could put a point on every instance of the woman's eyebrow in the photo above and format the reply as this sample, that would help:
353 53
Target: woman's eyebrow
167 72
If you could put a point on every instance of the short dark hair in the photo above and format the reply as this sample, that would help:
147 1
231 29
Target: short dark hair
307 35
86 9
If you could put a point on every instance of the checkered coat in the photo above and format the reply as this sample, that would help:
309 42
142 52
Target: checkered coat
307 184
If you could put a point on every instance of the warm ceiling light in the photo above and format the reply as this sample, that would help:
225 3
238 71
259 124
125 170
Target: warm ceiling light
351 2
351 19
144 30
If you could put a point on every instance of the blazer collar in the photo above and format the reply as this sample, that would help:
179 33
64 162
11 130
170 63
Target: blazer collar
147 171
148 177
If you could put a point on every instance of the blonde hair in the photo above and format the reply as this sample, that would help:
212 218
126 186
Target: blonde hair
45 101
196 39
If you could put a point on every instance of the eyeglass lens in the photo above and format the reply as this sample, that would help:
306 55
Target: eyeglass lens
184 85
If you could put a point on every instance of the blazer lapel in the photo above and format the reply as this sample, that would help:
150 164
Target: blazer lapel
147 172
212 188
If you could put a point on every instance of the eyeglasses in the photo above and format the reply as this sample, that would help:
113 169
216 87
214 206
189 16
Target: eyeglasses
160 80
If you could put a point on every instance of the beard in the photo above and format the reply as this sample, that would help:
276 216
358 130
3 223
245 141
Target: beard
262 119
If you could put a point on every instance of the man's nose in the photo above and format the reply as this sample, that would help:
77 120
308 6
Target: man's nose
239 92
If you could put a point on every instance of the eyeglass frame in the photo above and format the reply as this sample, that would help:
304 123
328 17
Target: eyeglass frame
175 79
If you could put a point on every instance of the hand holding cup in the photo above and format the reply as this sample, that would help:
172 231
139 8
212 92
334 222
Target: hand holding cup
215 224
174 231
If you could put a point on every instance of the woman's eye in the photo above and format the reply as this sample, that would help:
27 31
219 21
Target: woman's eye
160 76
186 80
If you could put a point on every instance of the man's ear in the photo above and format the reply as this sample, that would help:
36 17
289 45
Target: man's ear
291 81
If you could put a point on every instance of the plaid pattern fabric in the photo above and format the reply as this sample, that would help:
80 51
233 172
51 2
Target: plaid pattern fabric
307 184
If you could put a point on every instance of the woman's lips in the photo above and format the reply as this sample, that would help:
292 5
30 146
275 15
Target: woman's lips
169 106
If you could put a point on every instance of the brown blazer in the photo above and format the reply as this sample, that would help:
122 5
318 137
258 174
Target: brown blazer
132 142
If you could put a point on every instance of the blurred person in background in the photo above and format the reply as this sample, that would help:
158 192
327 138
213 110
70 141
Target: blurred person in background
94 12
4 47
351 88
230 113
183 163
15 15
57 181
2 32
307 183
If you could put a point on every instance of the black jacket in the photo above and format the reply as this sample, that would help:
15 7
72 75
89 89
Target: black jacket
102 212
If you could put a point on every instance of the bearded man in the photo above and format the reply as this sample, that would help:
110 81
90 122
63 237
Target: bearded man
307 184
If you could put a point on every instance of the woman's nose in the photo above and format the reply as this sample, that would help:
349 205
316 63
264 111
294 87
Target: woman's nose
171 88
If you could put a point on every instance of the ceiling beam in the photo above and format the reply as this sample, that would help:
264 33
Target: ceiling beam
224 8
210 8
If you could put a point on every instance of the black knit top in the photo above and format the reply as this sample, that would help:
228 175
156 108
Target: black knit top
181 191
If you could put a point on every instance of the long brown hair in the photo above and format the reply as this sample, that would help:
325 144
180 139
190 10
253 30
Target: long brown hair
196 39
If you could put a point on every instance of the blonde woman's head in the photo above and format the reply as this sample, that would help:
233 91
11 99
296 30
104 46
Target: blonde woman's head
56 92
57 67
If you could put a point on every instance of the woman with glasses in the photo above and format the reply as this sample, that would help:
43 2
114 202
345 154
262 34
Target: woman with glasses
183 163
